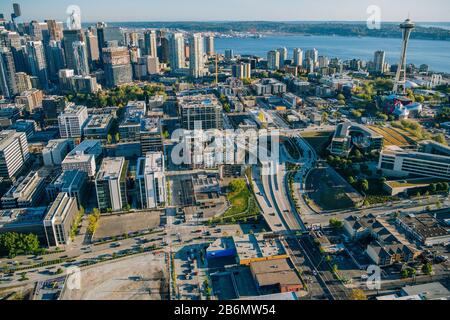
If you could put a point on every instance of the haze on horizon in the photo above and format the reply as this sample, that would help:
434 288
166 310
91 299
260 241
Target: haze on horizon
232 10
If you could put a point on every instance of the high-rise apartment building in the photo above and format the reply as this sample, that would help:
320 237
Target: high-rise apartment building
23 82
196 64
8 85
283 56
298 57
176 48
313 55
210 47
242 70
150 44
273 60
379 61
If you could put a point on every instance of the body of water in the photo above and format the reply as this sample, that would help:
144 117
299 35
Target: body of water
436 54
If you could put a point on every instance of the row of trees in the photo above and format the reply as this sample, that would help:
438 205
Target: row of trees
119 96
93 219
14 244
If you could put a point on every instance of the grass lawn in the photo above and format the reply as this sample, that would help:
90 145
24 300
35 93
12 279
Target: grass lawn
243 206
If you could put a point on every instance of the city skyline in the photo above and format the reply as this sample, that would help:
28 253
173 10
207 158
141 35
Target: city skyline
250 10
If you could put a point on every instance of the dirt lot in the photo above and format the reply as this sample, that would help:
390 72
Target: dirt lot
117 225
138 278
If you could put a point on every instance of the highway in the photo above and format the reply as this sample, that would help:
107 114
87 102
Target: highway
274 199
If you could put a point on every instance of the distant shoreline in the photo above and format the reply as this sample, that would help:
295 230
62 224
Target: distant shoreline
423 31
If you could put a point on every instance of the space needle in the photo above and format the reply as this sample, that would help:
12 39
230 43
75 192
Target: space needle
400 80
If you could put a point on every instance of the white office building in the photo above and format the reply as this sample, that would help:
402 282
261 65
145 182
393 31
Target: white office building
111 184
81 162
431 160
152 181
72 121
55 152
13 152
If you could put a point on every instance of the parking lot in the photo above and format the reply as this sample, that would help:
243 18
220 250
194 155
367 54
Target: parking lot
145 280
117 225
187 262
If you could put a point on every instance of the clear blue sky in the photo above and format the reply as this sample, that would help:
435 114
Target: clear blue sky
201 10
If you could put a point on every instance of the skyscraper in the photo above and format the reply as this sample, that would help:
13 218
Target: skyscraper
37 62
400 79
196 64
8 86
109 36
150 44
92 47
177 56
283 56
312 54
273 60
298 57
71 36
23 82
81 58
117 66
242 70
210 47
56 59
229 54
55 30
379 61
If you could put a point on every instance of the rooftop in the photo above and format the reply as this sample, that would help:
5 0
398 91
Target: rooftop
257 246
100 121
429 291
25 216
425 225
111 168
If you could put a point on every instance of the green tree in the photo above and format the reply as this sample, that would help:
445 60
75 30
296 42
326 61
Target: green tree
440 138
364 185
237 185
13 244
428 268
